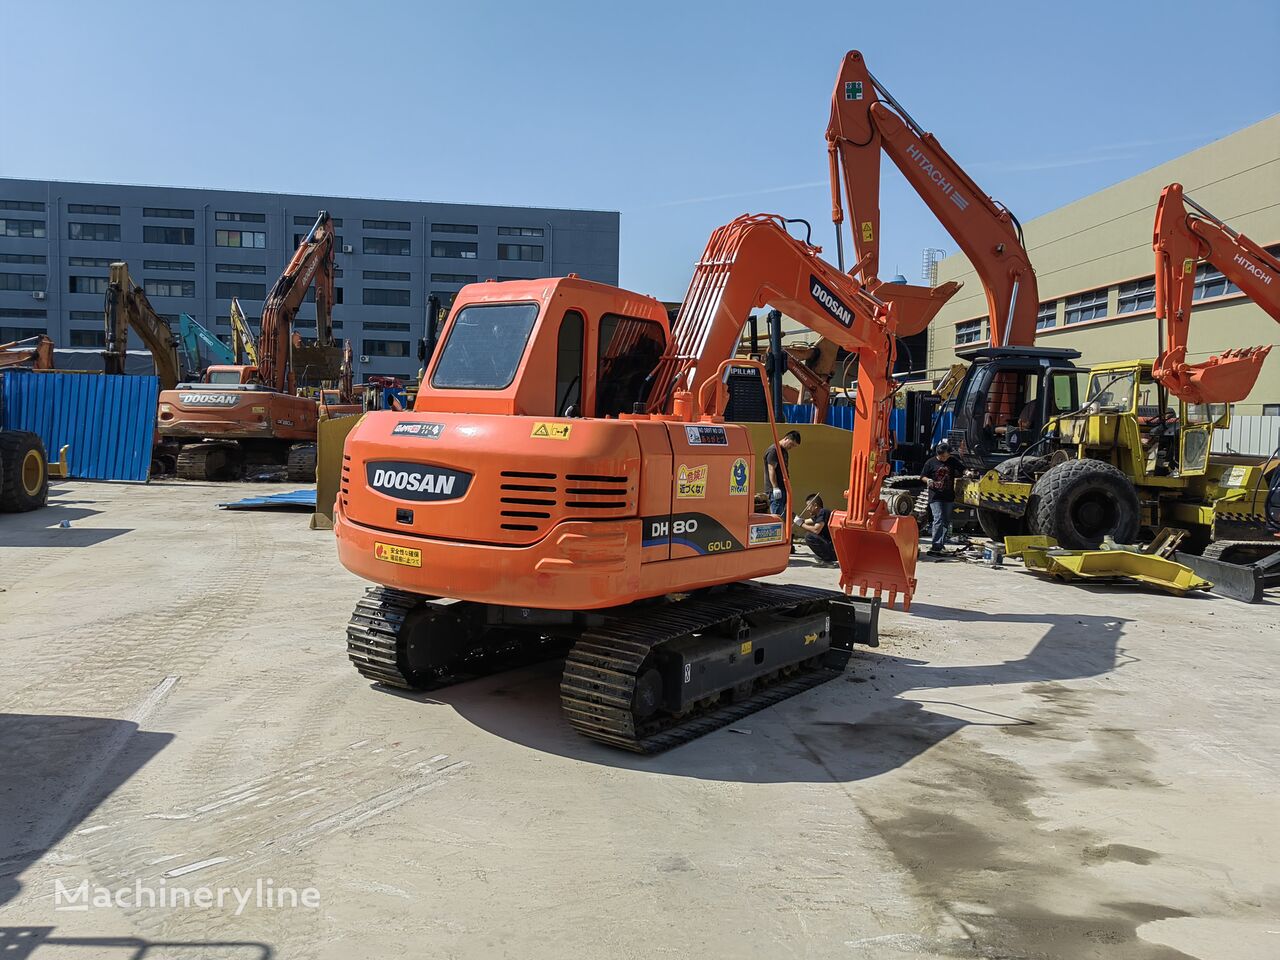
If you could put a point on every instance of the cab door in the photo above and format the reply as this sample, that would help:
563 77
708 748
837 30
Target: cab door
1199 420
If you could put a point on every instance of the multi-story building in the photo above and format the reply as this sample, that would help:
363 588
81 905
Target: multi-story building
193 250
1095 267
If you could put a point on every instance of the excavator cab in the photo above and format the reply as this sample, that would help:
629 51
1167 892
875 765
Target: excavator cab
226 375
1009 399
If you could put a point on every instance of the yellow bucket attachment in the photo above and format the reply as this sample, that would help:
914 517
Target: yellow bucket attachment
879 558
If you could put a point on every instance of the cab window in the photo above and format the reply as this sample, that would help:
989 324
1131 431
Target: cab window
629 350
224 376
569 365
484 346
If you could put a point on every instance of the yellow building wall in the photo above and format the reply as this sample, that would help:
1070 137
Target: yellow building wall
1104 240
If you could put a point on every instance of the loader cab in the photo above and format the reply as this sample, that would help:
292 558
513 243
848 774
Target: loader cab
561 348
1010 401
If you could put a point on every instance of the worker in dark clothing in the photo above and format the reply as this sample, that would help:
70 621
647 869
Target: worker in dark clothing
815 522
773 475
940 472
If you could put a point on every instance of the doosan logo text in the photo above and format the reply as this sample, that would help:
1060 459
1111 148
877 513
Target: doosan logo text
830 301
417 482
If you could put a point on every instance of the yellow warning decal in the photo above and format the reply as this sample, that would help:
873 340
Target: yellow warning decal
551 431
868 233
691 482
392 553
810 638
745 648
1189 265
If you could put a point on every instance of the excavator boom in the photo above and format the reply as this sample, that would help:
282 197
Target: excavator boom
246 347
126 307
1183 238
312 262
866 119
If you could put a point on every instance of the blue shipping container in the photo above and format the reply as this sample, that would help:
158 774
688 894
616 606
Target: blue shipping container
107 423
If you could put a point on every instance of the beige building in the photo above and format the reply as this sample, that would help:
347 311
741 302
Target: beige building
1094 265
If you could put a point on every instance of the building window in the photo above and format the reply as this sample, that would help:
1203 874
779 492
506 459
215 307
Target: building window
385 348
1271 409
246 291
446 297
9 334
519 251
86 316
454 248
519 231
969 331
93 231
22 258
256 322
385 225
87 284
380 325
311 221
1047 316
89 261
168 213
1086 306
33 206
454 228
1211 283
22 313
180 236
21 228
88 338
240 217
1137 295
379 297
240 238
169 288
299 237
387 246
454 278
255 268
311 295
386 275
23 281
96 208
185 265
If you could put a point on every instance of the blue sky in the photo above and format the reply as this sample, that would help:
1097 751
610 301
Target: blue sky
680 115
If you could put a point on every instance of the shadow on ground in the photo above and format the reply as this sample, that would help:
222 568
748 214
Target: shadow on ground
855 727
55 770
42 528
20 943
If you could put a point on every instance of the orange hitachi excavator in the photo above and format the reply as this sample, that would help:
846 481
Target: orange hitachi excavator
566 478
1182 239
249 416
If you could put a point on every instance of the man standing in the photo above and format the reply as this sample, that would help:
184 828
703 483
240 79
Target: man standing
773 475
940 473
817 533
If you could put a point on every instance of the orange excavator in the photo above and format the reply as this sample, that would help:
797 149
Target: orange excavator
1182 239
33 353
566 479
247 418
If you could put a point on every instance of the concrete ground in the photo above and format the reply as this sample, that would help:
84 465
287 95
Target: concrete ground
1022 770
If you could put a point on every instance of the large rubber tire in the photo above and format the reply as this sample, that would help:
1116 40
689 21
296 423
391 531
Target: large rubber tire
1080 502
302 463
24 472
996 525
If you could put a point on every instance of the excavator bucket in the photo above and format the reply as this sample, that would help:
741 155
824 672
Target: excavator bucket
1227 378
880 557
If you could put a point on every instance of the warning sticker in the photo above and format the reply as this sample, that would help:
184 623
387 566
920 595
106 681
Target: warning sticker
868 232
853 90
762 533
701 435
551 431
1235 477
415 428
691 482
390 552
738 478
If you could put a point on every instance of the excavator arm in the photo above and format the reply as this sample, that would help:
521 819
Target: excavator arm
865 119
126 307
245 346
37 356
754 261
312 262
1182 238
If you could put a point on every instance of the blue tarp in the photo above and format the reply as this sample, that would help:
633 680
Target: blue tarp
107 423
300 500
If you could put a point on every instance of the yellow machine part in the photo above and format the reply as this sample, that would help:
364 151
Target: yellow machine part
331 435
1155 572
1016 546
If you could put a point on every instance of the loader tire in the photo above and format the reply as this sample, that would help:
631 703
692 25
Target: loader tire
24 472
996 525
1080 502
302 463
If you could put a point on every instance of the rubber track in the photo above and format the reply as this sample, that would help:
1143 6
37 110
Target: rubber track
193 461
372 631
597 687
1217 548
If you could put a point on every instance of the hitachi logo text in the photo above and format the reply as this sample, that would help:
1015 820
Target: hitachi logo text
1253 268
937 176
418 482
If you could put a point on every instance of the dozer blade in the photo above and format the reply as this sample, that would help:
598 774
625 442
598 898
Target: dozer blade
879 558
1227 378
